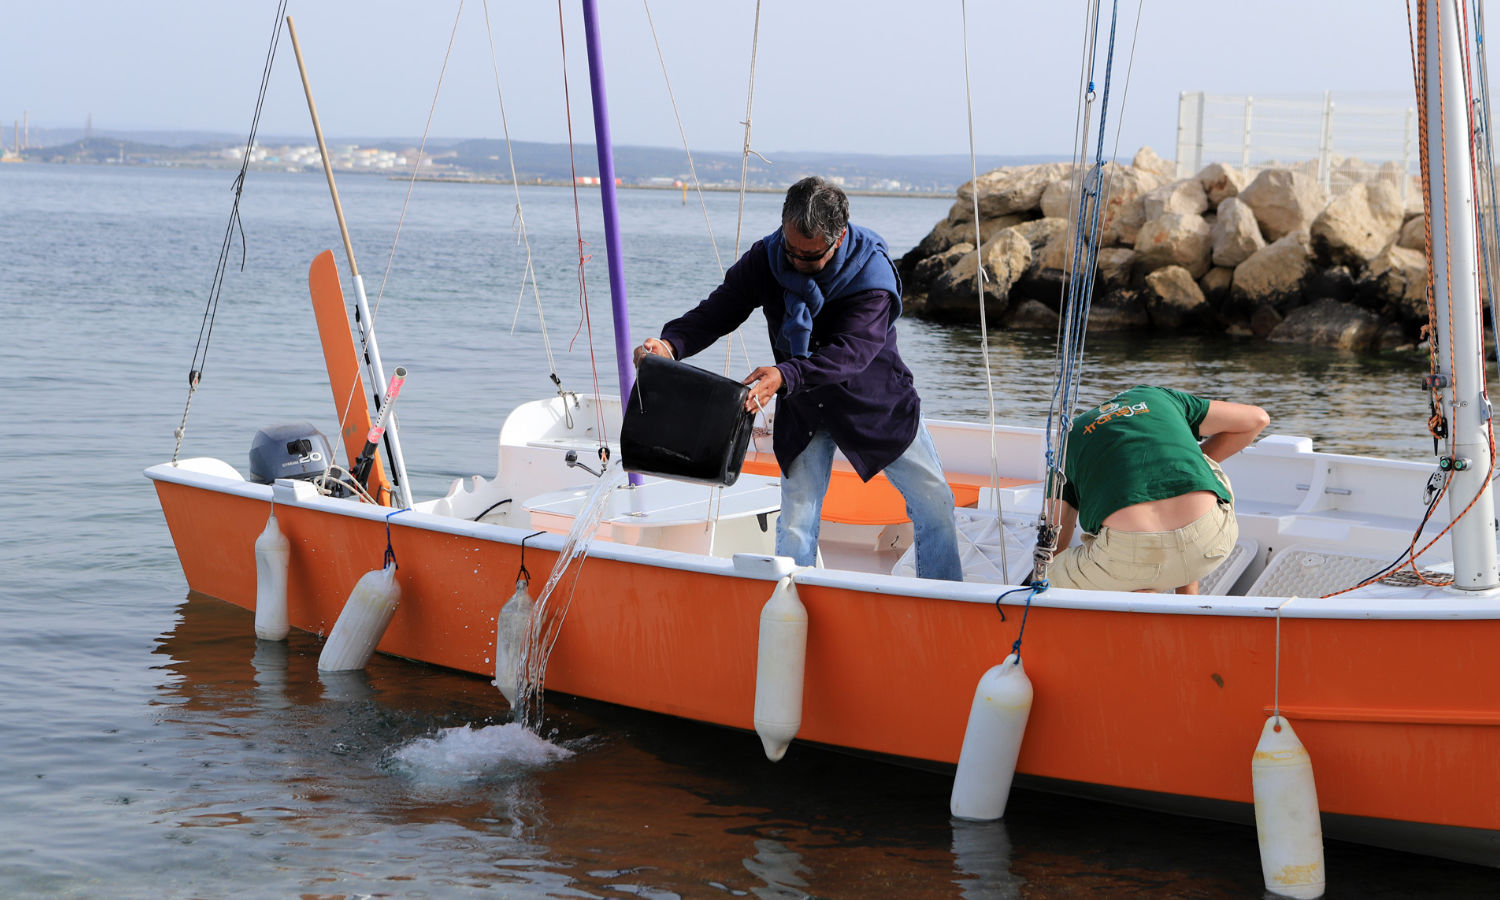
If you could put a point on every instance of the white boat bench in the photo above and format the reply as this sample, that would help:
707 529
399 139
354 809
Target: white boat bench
673 515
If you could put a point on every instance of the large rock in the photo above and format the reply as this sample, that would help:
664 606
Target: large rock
1235 235
1275 274
953 294
1356 225
1284 201
1118 311
1220 182
1033 314
1216 284
1413 234
1124 211
1147 161
1185 197
1115 264
921 275
959 228
1174 239
1395 283
1018 189
1174 300
1330 324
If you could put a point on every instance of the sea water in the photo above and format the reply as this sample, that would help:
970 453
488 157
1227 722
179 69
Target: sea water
150 747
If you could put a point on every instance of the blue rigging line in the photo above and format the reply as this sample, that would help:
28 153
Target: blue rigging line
1084 259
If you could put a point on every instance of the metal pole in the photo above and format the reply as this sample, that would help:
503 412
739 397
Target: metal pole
624 366
1325 141
1198 150
1456 292
1245 140
362 315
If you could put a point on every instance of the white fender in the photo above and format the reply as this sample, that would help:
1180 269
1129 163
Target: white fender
1286 813
510 640
992 742
366 614
273 553
779 667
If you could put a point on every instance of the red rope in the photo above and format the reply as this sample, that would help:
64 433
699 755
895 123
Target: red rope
585 322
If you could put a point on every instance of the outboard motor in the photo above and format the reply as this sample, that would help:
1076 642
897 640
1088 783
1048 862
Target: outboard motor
296 450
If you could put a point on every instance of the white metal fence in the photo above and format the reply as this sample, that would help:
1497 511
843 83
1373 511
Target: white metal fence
1344 140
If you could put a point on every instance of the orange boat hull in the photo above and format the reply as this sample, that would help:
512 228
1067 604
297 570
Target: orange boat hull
1400 716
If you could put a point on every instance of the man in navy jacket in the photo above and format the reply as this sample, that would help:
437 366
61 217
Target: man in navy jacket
831 297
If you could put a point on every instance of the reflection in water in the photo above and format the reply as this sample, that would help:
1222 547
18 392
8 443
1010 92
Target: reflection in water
981 852
780 868
346 687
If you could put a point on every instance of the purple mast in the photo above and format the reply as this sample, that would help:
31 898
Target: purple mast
607 192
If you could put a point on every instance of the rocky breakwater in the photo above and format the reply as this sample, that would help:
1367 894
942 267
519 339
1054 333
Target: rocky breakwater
1275 257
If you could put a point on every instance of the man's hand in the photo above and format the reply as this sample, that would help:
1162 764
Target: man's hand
764 383
655 346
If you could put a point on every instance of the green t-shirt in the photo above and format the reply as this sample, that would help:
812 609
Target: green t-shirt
1141 445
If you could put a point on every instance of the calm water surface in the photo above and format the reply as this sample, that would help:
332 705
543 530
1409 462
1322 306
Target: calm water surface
149 747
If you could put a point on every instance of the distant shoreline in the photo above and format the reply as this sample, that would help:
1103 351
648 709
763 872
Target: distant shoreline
853 192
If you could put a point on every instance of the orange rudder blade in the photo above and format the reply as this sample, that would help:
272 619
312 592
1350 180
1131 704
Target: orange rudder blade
342 360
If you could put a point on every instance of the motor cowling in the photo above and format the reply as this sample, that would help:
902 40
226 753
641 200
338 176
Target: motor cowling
296 450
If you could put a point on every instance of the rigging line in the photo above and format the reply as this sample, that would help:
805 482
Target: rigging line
692 170
211 307
583 258
1077 178
1081 286
390 258
1081 130
746 151
1447 216
416 167
715 497
979 276
739 219
1492 234
528 275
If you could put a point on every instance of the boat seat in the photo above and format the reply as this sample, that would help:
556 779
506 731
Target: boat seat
875 502
979 543
1222 579
1309 570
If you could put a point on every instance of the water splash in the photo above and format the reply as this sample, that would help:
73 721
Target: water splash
552 605
470 754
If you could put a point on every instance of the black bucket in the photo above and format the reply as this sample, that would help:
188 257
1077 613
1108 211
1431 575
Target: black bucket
685 423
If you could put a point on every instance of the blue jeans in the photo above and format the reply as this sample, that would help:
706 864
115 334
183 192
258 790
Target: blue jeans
917 474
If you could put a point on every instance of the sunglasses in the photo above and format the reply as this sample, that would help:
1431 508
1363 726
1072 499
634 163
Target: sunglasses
805 257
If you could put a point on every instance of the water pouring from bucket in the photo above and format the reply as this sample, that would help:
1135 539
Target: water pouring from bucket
552 604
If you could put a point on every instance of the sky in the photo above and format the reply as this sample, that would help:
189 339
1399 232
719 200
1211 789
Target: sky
844 76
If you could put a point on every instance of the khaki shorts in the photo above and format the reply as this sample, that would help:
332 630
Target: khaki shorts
1152 561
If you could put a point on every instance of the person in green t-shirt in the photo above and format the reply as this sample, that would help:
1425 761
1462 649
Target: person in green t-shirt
1157 511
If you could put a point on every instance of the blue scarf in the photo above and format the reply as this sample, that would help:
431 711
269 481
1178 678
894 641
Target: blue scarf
861 263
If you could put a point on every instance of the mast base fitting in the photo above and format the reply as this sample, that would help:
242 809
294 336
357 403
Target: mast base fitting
1453 463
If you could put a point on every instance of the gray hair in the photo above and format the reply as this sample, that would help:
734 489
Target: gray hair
816 208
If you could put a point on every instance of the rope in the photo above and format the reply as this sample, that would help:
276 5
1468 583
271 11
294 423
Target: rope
746 151
1091 194
518 222
390 552
692 170
405 203
216 288
739 219
583 256
979 279
1035 588
1437 425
